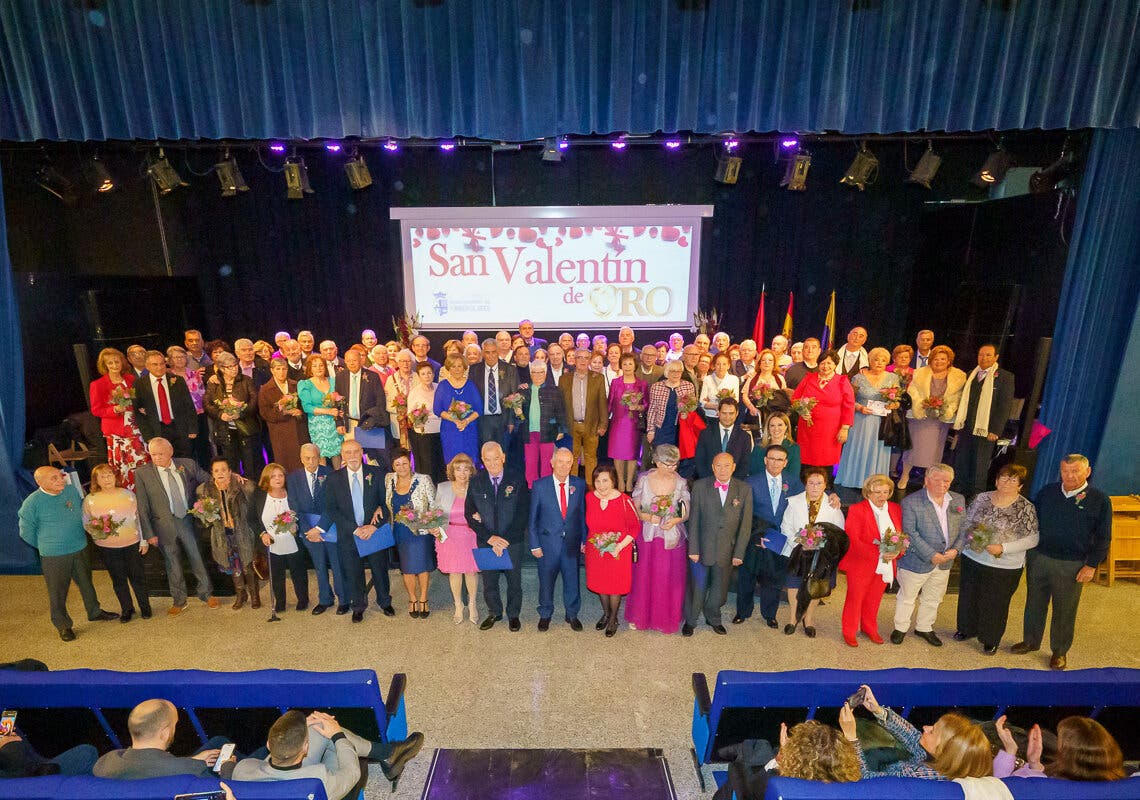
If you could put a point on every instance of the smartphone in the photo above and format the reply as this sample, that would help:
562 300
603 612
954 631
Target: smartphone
215 795
856 700
7 723
224 756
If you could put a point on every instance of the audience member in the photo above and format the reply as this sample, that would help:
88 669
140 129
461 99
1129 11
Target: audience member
152 724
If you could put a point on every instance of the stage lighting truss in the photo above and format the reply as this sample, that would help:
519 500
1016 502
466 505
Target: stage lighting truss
229 176
796 171
994 170
296 179
926 168
166 179
357 172
863 170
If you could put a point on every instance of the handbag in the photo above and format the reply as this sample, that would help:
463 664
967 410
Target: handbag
817 587
893 430
260 566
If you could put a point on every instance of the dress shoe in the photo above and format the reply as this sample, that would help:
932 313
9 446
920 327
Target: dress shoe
303 606
789 629
146 613
737 620
319 609
960 637
212 602
357 616
611 629
340 610
990 651
686 629
127 616
388 610
930 637
771 623
489 622
719 630
402 753
809 631
544 624
280 608
174 611
575 624
104 616
1057 662
514 625
601 624
897 636
874 637
67 634
850 641
1021 648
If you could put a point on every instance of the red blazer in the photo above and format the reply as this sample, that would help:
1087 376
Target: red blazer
862 531
101 407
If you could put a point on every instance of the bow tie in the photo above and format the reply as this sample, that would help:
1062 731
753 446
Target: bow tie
720 485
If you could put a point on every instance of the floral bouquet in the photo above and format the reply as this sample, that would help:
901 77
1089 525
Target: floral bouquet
514 402
231 406
421 522
287 403
802 408
332 400
206 511
419 417
933 406
980 537
660 506
811 537
285 522
762 395
122 398
688 406
459 409
890 396
892 542
725 394
102 527
406 327
633 400
605 542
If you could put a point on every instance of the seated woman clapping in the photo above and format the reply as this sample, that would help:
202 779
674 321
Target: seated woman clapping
1085 752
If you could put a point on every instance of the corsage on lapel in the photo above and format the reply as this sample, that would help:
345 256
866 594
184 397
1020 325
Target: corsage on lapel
1081 499
321 479
368 478
784 488
735 502
508 491
571 491
171 379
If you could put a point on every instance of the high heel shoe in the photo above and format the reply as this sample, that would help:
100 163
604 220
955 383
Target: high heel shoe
424 612
473 613
413 609
458 616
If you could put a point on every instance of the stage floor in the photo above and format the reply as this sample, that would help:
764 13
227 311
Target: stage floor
469 689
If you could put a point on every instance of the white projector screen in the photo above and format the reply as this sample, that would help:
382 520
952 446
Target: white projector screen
561 266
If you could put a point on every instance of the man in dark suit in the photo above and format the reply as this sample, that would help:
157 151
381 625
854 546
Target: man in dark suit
532 342
762 560
556 534
291 350
248 364
163 406
329 352
367 403
306 487
165 491
725 437
587 410
989 388
136 356
720 525
497 509
353 495
495 379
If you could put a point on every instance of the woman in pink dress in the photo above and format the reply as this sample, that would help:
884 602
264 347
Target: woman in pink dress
625 422
821 441
658 583
453 555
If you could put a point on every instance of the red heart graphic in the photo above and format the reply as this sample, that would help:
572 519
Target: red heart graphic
670 233
684 242
433 233
575 233
527 234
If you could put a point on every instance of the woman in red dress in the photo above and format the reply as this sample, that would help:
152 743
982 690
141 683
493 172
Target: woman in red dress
821 440
111 401
869 572
608 574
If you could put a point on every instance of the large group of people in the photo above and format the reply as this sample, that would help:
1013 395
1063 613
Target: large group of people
698 462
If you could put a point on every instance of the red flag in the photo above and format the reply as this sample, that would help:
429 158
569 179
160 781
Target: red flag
758 328
788 321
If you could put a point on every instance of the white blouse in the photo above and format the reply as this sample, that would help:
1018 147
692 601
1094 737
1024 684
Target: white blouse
796 518
283 543
420 395
711 385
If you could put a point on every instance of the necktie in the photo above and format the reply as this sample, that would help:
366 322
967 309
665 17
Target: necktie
174 489
723 439
312 483
357 499
163 403
774 490
493 393
562 497
981 376
495 482
354 396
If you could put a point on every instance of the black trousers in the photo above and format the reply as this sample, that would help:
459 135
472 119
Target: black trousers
298 571
183 445
125 566
491 594
242 453
353 564
972 458
493 428
984 593
771 571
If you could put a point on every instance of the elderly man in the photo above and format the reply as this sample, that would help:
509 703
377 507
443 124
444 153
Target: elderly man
625 339
136 355
690 356
152 724
933 518
924 341
600 343
291 351
720 343
196 355
798 371
584 394
647 369
363 392
566 342
306 488
307 342
1075 524
51 521
780 350
745 365
987 399
495 380
163 406
329 352
248 366
853 356
703 343
279 340
368 339
420 348
720 525
532 342
556 533
503 346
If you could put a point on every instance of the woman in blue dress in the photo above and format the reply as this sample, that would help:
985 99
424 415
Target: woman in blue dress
313 393
864 455
459 434
416 548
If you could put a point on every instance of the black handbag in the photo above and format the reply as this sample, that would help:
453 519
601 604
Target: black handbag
893 430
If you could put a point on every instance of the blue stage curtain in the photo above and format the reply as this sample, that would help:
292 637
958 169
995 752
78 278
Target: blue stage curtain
15 556
1098 304
521 69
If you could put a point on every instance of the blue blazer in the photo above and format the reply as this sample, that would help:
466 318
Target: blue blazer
301 499
548 529
921 521
762 511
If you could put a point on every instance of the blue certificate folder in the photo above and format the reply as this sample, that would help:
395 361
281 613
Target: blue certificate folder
379 540
312 520
699 573
486 560
775 542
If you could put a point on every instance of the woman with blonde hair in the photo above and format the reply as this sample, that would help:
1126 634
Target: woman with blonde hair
810 751
453 554
869 571
865 453
112 401
270 500
416 547
935 391
119 543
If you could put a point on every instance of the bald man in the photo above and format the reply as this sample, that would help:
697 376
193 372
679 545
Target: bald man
51 521
306 488
151 724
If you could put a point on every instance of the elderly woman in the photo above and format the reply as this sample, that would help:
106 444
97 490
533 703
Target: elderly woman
424 431
720 383
657 590
869 570
459 429
821 440
179 362
323 411
111 401
609 572
600 344
416 547
877 393
263 350
625 420
454 554
122 551
901 357
544 421
666 397
935 391
269 501
279 406
231 403
396 389
1002 527
807 508
232 543
472 354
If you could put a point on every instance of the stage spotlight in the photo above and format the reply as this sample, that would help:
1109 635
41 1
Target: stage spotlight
164 175
447 147
391 145
357 171
1061 174
994 170
100 177
790 143
731 144
673 144
53 182
552 148
229 176
277 147
332 147
926 168
863 170
795 175
728 164
296 179
618 144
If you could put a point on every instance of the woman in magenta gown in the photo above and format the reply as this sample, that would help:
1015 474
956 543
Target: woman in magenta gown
821 441
625 422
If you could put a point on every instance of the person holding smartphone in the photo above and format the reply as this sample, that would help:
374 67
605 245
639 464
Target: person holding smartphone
18 759
151 724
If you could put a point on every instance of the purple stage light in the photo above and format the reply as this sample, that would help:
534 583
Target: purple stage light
332 147
391 146
277 147
790 143
617 144
731 144
447 146
563 144
673 144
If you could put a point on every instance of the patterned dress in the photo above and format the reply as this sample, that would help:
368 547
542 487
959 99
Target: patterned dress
322 427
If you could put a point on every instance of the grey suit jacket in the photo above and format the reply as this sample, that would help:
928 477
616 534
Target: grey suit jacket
155 518
719 533
920 520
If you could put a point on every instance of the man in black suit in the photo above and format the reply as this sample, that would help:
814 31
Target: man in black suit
163 406
353 495
333 362
306 487
495 379
248 364
291 350
989 387
367 403
532 342
136 355
498 509
725 437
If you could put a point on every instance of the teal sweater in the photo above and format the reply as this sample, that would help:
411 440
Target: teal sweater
53 524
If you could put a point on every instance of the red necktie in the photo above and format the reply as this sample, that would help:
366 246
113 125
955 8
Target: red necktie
562 498
163 403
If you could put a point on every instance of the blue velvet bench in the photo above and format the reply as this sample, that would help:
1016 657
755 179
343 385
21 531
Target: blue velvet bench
61 709
751 705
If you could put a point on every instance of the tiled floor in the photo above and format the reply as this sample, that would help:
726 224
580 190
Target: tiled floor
471 689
